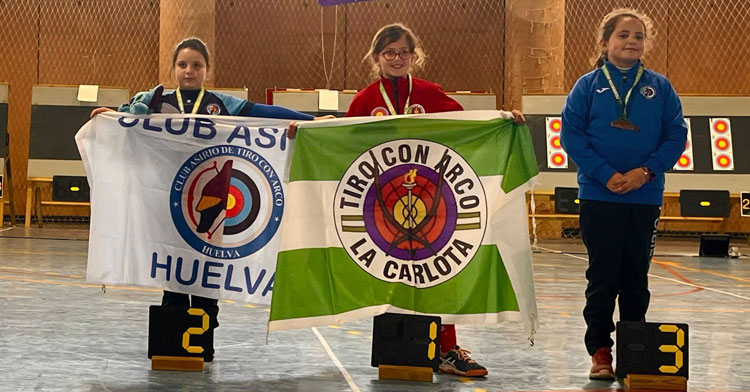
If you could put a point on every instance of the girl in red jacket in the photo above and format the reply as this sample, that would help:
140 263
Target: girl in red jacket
394 53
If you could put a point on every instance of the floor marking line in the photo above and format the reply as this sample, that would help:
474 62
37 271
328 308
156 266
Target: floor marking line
679 276
335 360
702 287
673 280
101 358
84 285
677 265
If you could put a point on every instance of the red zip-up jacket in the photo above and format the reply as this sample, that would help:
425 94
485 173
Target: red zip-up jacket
426 97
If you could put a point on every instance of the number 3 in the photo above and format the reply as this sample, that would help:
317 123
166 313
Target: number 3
195 331
671 348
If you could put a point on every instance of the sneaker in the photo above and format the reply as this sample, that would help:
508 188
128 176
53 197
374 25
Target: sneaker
457 361
601 365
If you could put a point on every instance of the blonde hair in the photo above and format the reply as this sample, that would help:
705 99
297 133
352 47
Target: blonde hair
388 35
608 25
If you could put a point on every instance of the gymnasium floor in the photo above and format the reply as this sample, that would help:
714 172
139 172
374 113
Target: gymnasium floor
58 333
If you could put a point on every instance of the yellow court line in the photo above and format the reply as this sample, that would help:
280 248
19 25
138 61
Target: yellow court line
37 272
84 285
49 253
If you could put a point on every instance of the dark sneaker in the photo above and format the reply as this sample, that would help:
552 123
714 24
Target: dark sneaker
457 361
601 365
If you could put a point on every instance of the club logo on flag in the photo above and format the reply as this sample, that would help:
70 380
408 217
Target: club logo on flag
411 211
226 201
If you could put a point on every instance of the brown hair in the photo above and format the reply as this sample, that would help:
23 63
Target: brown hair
386 36
608 25
192 43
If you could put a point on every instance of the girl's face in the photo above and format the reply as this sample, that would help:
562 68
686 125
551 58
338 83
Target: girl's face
395 59
627 42
190 69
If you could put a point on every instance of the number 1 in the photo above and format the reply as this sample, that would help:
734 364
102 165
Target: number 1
433 335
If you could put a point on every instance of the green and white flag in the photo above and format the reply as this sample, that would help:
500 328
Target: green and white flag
410 214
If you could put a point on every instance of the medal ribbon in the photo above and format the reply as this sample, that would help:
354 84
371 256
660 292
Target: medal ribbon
623 105
197 104
391 108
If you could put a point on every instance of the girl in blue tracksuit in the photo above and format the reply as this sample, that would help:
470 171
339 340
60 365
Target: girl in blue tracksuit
622 125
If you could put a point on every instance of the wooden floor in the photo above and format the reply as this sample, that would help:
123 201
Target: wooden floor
59 333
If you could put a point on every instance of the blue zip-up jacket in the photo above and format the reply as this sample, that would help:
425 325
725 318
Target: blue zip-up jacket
600 150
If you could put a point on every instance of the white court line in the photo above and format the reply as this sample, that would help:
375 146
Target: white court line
6 229
133 364
702 287
659 277
348 378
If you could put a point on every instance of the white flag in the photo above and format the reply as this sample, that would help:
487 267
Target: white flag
187 203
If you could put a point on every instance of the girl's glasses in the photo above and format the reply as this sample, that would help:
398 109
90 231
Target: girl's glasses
391 55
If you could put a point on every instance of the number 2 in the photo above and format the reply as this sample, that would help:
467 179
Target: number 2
195 331
671 348
745 203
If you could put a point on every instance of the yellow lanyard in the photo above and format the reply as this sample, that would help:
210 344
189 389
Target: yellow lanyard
387 100
197 104
623 105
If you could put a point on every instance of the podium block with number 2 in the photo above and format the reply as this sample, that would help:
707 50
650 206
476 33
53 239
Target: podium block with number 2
181 332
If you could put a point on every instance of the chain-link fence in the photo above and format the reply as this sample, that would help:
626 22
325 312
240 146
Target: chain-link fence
703 47
301 45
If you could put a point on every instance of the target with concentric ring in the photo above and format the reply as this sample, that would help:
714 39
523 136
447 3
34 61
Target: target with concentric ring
226 201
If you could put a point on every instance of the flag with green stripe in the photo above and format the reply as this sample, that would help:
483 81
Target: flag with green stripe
418 214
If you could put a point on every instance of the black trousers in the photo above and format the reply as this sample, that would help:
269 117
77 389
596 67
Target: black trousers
620 240
170 298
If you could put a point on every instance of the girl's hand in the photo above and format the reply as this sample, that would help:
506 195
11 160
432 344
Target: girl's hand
518 117
291 131
628 182
99 110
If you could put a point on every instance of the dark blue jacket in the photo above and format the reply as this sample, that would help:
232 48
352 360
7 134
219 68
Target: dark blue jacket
600 150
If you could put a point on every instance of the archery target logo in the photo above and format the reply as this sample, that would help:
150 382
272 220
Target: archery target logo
416 109
226 201
213 109
411 211
379 112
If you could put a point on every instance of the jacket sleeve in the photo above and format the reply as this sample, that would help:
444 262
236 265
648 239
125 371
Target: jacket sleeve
358 105
444 103
273 111
235 106
575 122
674 134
